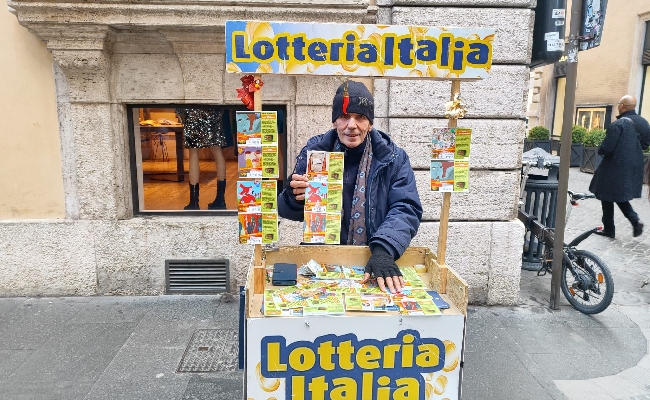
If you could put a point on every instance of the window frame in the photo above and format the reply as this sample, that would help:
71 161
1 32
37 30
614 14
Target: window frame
595 108
133 165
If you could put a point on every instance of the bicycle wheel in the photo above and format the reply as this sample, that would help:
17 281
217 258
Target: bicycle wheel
591 288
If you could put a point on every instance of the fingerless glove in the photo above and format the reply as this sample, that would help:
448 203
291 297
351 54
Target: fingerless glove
382 264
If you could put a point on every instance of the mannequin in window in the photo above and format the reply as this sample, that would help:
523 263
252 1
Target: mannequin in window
204 128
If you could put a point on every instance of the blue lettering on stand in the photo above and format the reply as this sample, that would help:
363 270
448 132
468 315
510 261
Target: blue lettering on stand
263 49
240 46
444 55
479 55
338 366
317 51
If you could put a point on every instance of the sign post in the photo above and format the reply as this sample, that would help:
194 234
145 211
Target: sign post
446 196
565 151
259 267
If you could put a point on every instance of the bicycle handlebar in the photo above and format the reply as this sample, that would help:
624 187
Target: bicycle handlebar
545 164
580 196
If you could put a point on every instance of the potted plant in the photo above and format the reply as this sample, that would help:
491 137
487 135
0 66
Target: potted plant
538 136
590 157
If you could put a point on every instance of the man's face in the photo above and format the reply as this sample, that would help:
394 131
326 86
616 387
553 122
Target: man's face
352 129
626 103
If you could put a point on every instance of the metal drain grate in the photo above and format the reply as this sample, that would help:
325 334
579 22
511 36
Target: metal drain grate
211 350
197 276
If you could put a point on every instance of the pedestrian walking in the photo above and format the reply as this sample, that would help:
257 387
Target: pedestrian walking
619 177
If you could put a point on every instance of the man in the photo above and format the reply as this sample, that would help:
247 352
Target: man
619 177
381 205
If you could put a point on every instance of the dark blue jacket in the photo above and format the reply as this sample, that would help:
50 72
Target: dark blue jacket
392 201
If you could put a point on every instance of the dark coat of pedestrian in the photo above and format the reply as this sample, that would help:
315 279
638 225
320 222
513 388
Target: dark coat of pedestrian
619 177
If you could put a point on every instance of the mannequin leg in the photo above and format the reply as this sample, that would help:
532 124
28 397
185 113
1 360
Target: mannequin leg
220 162
194 180
219 202
194 166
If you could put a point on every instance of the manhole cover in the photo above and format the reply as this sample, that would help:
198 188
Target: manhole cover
211 350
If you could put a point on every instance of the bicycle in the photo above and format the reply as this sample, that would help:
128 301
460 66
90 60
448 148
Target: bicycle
586 281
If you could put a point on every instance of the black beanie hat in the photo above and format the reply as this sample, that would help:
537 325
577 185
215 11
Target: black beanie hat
361 101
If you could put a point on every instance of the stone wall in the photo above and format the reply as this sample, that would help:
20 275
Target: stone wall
485 239
100 66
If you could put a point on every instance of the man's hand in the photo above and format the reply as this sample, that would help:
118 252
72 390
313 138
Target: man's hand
298 185
382 266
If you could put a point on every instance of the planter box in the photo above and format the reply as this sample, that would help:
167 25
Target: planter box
542 144
590 159
576 154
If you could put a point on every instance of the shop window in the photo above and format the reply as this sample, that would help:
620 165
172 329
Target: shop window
590 118
173 145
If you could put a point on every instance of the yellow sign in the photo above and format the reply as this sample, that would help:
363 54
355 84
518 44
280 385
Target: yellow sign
358 50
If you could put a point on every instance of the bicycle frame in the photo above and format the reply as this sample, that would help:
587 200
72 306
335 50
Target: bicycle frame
546 234
576 241
589 274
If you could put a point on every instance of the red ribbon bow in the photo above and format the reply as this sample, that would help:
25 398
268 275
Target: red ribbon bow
250 85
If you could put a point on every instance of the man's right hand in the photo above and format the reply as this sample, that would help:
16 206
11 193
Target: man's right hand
298 185
382 267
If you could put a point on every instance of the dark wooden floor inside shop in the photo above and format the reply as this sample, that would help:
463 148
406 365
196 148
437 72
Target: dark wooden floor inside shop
162 191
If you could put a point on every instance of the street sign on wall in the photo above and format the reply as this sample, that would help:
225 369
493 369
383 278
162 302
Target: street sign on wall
591 27
358 50
548 34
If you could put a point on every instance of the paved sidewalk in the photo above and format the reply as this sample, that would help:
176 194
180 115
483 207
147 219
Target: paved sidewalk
615 365
94 348
111 348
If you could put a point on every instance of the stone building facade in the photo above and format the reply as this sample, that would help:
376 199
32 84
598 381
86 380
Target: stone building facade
109 54
605 73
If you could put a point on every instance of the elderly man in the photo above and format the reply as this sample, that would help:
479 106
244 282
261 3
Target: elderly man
381 205
619 177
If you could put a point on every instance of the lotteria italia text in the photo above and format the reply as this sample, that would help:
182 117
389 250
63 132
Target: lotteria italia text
343 367
445 51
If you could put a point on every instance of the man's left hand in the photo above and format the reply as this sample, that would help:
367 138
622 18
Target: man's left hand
382 266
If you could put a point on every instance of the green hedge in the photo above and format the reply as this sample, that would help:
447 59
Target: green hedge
578 134
539 133
594 137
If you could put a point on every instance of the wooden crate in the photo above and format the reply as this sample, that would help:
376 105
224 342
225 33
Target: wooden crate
377 355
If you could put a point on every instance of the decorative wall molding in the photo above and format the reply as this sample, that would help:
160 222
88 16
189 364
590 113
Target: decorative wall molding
175 13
